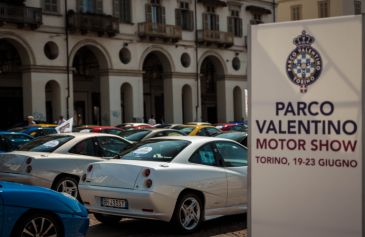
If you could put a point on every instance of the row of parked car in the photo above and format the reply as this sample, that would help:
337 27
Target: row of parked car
13 138
158 173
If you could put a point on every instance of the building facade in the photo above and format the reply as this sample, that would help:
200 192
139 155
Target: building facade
113 61
291 10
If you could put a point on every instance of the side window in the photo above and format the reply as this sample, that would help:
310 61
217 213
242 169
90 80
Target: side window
4 144
112 131
204 155
86 147
160 134
244 141
212 131
202 132
19 138
236 128
172 133
111 146
232 154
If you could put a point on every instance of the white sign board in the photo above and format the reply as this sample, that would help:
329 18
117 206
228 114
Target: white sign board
306 129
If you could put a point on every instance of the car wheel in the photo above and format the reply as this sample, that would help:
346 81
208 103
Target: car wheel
38 224
67 185
188 213
107 219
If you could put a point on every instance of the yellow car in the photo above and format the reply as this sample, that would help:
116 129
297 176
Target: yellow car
45 125
198 123
198 130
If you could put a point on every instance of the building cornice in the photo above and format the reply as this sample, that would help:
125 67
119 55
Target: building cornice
235 77
120 72
282 1
44 69
268 3
183 75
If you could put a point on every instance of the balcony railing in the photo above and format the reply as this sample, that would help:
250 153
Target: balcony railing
21 15
151 31
222 39
100 24
255 22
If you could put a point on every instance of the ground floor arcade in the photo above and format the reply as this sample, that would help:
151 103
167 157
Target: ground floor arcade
93 92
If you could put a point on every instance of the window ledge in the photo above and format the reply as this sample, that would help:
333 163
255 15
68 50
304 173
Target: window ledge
126 23
52 13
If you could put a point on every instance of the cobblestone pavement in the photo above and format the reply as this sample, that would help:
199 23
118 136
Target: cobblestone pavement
231 226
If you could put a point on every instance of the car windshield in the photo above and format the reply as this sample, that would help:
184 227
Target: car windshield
113 131
134 135
46 143
17 137
82 129
185 130
155 150
18 129
236 136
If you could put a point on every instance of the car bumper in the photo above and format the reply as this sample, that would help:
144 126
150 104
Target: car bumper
25 179
75 226
141 204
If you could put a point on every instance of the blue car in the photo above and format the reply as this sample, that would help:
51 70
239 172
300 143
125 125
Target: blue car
35 211
10 141
35 131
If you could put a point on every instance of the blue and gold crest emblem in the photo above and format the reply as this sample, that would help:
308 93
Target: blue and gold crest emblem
304 64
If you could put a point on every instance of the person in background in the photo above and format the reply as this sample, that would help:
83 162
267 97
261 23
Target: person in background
30 120
61 120
152 120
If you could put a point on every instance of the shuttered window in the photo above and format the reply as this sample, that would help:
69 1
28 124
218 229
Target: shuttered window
122 9
323 9
90 6
357 6
296 12
235 24
50 6
210 21
184 17
155 13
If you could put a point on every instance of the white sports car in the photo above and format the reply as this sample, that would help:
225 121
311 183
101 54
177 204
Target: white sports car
57 161
184 180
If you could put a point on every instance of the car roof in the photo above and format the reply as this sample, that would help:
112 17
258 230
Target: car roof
233 132
161 129
96 127
45 125
186 125
134 124
13 133
191 138
85 135
196 126
198 123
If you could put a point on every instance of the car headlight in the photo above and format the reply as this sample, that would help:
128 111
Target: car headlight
75 205
69 196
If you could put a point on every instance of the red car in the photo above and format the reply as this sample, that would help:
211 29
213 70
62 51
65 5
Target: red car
238 127
102 129
131 126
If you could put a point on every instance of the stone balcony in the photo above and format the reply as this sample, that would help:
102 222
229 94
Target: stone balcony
20 15
152 31
96 23
219 38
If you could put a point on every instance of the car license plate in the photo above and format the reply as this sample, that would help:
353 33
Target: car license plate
116 203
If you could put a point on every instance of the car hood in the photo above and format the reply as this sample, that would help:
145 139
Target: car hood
21 195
